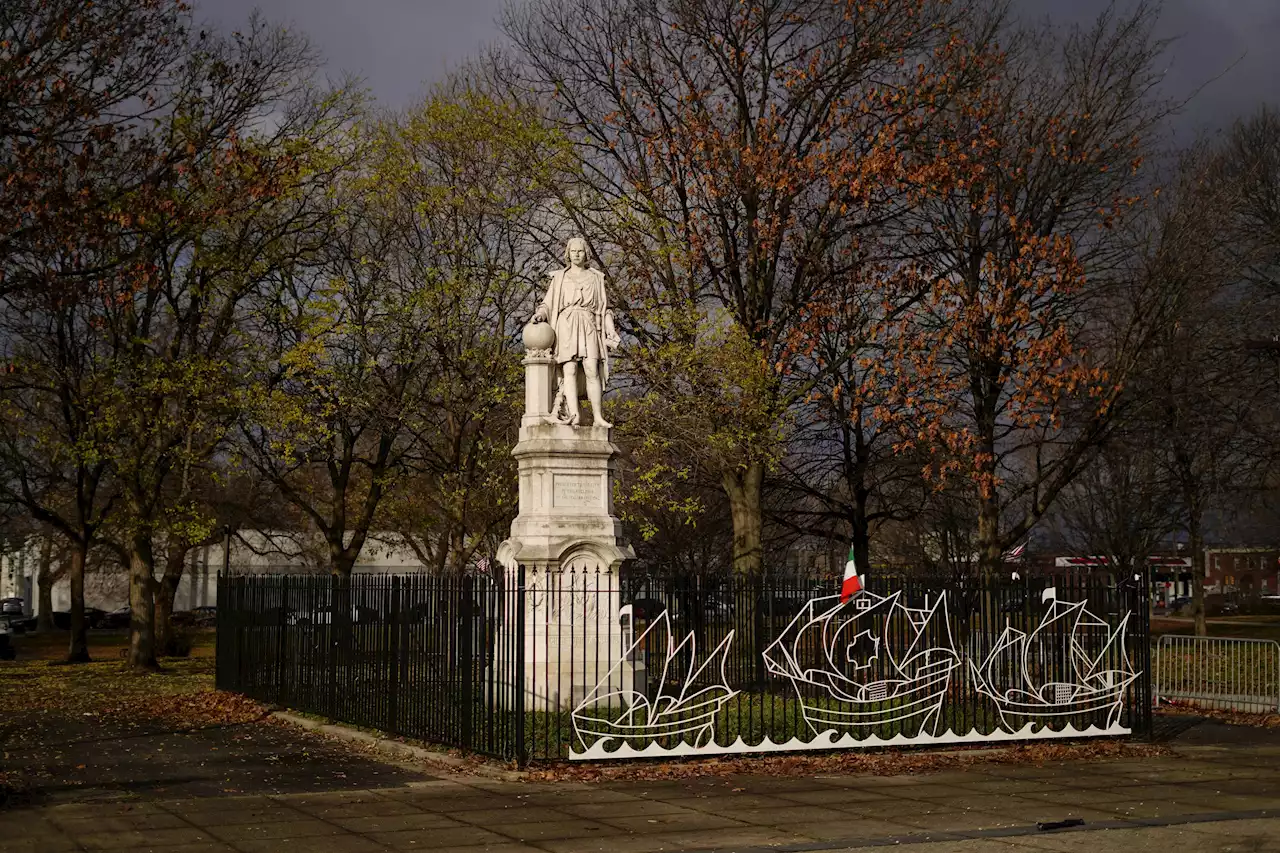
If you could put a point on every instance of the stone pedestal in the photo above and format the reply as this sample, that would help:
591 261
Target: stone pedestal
570 546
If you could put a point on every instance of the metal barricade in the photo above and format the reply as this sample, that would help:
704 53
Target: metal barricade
1227 673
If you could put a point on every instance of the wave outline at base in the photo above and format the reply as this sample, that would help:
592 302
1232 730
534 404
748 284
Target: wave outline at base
829 739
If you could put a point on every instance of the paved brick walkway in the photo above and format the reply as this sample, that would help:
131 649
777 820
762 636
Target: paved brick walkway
1213 795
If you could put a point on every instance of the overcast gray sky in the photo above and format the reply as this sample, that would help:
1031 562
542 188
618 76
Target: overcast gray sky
400 46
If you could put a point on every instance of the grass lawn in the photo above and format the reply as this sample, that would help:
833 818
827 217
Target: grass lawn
40 695
1245 627
104 645
38 681
47 705
102 687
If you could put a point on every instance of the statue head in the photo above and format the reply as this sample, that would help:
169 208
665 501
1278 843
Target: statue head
576 253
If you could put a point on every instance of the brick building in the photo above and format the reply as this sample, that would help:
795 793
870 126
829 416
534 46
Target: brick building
1242 571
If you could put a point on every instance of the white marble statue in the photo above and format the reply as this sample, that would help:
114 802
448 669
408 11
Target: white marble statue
577 308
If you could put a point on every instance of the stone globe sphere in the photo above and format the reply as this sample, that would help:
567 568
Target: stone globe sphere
539 336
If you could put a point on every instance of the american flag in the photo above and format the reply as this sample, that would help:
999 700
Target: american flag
1015 553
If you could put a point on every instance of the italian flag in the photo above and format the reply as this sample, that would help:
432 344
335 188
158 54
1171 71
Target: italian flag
852 584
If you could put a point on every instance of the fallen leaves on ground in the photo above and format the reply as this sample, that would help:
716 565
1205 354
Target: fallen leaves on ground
44 702
197 710
887 763
95 687
1235 718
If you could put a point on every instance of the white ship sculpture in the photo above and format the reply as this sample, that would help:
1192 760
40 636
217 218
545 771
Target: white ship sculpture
684 709
1072 667
867 663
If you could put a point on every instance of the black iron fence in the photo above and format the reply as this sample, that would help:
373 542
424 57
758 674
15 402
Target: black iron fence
585 664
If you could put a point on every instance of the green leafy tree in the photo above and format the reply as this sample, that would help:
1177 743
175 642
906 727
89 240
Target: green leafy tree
78 79
131 385
390 393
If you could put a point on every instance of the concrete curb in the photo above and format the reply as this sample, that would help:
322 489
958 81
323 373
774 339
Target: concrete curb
403 751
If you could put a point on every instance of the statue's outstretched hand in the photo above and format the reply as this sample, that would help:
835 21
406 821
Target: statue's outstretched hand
540 315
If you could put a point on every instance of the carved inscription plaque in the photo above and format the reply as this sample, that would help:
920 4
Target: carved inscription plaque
577 490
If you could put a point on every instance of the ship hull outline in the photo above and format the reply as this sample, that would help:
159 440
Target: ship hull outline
914 691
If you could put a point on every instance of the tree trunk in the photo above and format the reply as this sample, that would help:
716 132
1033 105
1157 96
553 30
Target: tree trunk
342 561
44 587
860 531
78 648
342 557
142 622
342 564
1196 542
743 486
166 591
858 466
989 553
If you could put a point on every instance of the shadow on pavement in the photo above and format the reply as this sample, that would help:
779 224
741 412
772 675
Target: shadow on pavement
1211 732
225 760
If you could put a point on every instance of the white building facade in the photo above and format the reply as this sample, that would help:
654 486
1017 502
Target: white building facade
251 551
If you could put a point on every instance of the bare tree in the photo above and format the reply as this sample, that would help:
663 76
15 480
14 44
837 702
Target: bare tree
1009 376
76 79
846 472
50 436
1250 165
240 205
1212 414
733 154
1123 506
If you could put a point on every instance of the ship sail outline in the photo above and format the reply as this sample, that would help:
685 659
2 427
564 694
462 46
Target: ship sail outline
1095 685
908 685
690 713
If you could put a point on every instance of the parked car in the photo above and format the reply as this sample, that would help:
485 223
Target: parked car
784 603
647 608
118 618
1229 607
360 615
1014 605
11 605
197 617
17 623
718 604
92 615
269 616
428 611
